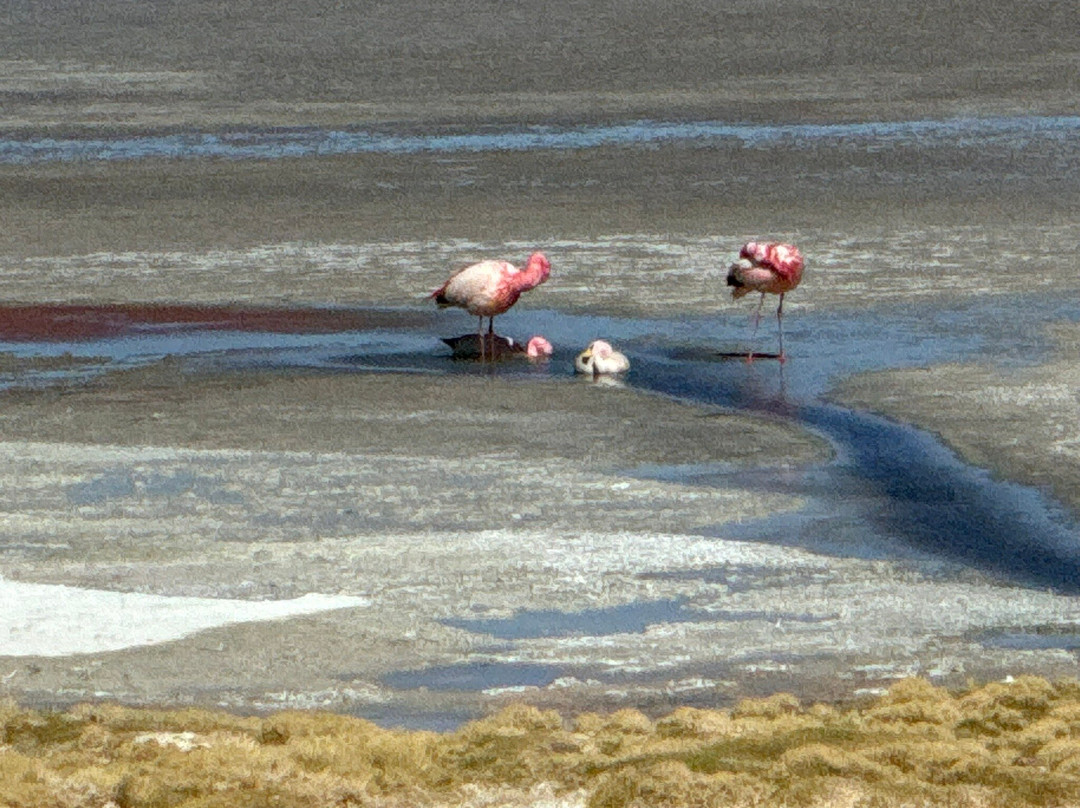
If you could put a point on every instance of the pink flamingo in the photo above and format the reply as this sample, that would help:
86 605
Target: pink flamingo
491 287
467 346
769 268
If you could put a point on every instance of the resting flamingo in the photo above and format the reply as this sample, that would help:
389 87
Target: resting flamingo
467 346
491 287
769 268
601 359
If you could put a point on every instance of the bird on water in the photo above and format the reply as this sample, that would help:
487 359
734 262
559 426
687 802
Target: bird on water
769 268
467 346
489 288
600 359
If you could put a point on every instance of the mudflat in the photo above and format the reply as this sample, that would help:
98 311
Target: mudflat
1019 422
476 491
108 70
88 65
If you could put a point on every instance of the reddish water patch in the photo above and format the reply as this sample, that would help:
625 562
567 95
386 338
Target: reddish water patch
68 322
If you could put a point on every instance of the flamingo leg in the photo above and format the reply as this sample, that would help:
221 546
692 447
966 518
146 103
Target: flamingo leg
487 341
757 322
780 324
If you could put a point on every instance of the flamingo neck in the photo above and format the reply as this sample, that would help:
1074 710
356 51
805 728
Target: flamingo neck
532 275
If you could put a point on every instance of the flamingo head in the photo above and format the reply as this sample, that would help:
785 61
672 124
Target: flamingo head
538 348
539 266
600 348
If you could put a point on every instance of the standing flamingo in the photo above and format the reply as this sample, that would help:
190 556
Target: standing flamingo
766 267
491 287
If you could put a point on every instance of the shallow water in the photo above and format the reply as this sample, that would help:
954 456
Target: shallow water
892 491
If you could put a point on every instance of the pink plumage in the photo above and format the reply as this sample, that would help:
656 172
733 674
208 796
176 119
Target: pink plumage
491 287
770 268
766 267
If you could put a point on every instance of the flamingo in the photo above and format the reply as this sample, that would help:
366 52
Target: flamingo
601 359
491 287
467 346
769 268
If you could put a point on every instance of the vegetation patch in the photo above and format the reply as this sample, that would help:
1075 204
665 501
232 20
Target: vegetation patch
1014 743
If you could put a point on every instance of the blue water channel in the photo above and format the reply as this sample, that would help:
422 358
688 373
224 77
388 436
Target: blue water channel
1015 132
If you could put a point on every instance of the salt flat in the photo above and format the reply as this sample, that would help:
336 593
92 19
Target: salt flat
43 620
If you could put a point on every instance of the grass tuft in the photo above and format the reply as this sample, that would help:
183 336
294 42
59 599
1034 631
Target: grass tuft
771 707
915 703
692 723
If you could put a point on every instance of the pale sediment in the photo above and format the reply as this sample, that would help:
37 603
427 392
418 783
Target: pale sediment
430 498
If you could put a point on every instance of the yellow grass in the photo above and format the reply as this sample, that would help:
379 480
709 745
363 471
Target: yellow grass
1010 744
